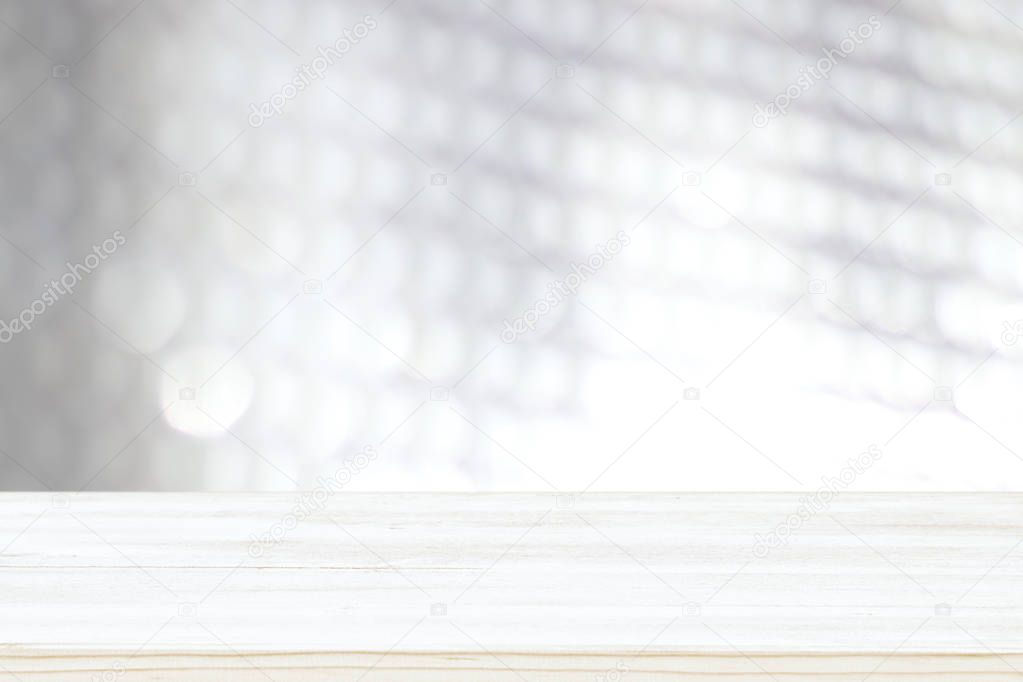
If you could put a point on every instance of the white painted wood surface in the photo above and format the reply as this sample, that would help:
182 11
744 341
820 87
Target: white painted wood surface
510 586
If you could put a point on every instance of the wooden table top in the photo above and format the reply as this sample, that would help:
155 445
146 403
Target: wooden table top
334 585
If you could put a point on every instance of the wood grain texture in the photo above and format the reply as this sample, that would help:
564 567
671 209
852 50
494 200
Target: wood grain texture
510 586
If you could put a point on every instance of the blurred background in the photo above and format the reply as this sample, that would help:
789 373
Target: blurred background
300 232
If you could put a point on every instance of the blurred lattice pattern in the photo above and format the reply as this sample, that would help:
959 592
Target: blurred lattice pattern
339 276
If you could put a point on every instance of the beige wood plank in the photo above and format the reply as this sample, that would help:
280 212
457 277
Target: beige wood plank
427 586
